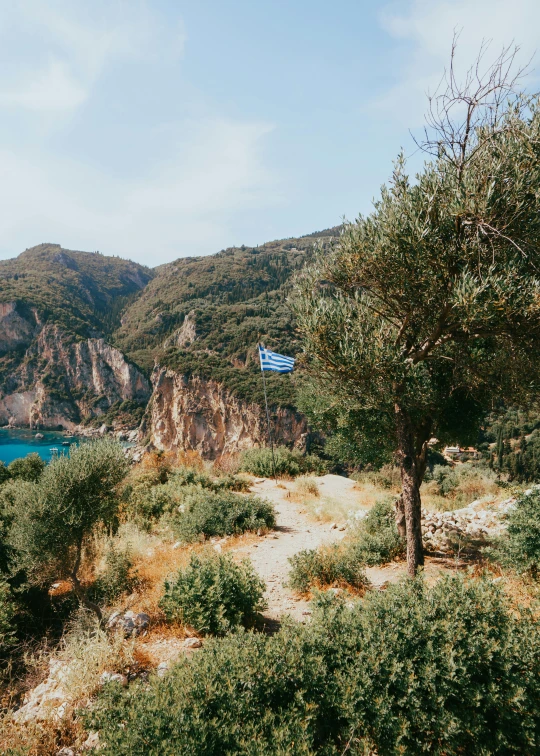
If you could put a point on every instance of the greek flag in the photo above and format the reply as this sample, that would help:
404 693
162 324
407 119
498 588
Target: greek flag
274 361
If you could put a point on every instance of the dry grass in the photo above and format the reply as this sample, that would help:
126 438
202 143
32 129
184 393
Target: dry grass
87 651
328 509
332 508
191 458
229 464
40 738
473 485
303 488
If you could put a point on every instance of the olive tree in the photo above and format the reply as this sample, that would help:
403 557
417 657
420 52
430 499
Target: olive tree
428 310
52 519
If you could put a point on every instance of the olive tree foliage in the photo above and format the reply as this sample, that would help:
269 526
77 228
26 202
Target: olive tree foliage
51 520
428 310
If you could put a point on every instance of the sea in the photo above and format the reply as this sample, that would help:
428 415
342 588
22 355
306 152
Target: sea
19 443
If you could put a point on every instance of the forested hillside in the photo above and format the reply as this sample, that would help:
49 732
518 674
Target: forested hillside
81 291
205 315
199 316
57 311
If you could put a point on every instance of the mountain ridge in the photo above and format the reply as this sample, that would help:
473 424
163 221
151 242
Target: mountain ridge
80 332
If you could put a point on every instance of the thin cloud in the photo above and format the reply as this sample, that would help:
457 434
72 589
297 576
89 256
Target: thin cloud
51 89
178 188
79 41
182 208
426 28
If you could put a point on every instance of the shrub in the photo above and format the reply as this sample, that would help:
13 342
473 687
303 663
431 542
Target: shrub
117 578
325 566
7 615
207 514
288 462
27 468
183 476
213 594
443 670
53 519
375 540
149 498
4 473
462 483
388 477
519 548
146 504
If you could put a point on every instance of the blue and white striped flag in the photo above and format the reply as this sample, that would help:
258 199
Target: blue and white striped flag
274 361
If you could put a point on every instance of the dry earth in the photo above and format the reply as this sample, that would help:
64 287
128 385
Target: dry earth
295 531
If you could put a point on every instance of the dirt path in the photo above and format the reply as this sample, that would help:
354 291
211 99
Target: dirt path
294 532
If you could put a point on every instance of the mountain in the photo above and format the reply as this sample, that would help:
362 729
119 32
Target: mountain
198 323
83 292
204 315
57 307
81 334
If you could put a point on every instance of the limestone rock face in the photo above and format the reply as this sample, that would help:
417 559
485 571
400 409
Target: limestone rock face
186 334
202 415
18 326
61 380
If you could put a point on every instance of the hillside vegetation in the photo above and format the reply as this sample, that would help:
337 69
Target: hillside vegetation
205 315
82 291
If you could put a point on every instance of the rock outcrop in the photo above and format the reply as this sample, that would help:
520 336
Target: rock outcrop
61 380
18 325
195 414
461 529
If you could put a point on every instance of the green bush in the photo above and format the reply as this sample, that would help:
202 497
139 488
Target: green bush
375 540
519 548
117 577
51 522
206 514
184 476
446 670
146 504
149 498
7 615
288 462
463 483
4 473
27 468
213 594
325 566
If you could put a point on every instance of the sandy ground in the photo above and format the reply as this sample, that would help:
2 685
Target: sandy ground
295 531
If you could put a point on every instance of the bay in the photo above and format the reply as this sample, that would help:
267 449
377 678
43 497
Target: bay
20 442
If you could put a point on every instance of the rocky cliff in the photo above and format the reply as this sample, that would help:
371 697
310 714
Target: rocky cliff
192 413
61 380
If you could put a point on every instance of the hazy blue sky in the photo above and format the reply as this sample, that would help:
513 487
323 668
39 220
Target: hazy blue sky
160 129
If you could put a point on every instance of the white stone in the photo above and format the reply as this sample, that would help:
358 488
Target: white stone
92 741
192 643
108 677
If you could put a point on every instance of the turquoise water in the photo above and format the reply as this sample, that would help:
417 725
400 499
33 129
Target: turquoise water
19 443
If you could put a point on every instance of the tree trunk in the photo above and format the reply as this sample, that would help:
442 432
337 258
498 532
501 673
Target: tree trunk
400 517
412 459
79 590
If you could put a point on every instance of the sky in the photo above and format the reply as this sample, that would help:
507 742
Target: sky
160 129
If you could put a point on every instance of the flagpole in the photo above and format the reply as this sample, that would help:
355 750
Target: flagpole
268 418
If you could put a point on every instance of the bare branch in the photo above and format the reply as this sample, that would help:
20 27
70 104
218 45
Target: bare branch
459 110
